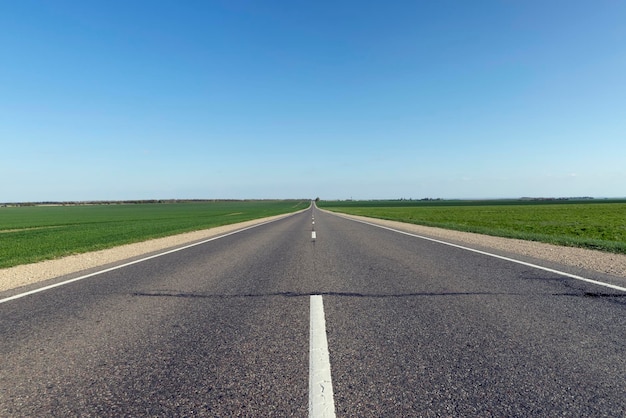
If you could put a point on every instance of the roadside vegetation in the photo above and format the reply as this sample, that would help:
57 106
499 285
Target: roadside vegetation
596 224
34 233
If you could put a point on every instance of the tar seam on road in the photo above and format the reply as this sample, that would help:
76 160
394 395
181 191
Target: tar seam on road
52 286
562 273
321 400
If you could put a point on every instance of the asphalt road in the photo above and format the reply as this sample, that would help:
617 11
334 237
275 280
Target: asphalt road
414 328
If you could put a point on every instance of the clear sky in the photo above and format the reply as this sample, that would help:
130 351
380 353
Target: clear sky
288 99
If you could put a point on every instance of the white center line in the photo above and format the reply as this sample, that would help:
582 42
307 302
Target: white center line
321 400
313 235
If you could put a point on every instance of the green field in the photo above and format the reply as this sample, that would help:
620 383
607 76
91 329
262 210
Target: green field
596 224
34 233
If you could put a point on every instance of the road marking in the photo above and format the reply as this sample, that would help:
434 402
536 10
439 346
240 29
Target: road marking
562 273
313 235
321 399
52 286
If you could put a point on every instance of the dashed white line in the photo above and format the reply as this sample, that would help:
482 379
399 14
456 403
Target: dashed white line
321 398
313 235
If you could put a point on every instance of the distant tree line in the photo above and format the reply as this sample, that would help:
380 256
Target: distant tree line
557 198
124 202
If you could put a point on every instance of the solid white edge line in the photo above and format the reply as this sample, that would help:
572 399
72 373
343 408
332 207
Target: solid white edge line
562 273
52 286
321 398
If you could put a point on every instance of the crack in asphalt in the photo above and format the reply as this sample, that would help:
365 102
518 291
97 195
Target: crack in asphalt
364 295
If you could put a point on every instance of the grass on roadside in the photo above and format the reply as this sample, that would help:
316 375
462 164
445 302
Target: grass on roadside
591 224
34 233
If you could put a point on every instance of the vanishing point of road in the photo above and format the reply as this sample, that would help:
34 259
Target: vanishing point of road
256 323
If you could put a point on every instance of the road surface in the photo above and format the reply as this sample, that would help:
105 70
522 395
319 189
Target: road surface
413 327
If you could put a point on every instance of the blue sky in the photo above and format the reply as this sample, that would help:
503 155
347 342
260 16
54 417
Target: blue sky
289 99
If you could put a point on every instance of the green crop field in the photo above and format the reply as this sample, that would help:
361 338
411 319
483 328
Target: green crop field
34 233
596 224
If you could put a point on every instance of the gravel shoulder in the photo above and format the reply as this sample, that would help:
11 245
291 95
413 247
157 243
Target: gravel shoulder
597 261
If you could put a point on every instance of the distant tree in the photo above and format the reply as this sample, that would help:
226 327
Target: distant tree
317 199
